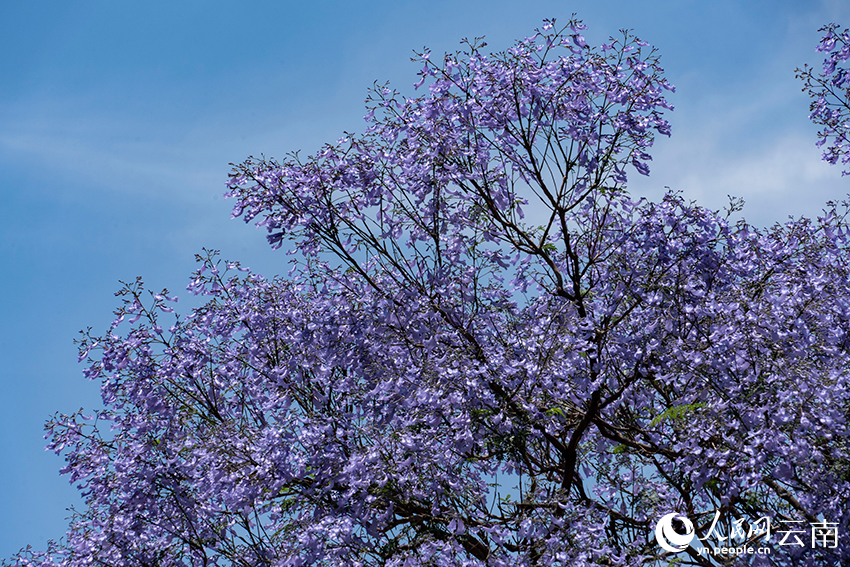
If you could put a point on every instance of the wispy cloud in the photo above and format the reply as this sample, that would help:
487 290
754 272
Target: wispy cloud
777 178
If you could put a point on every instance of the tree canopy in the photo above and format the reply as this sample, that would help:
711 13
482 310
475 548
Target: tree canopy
485 352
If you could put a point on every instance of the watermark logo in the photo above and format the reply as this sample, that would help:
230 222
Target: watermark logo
668 536
674 533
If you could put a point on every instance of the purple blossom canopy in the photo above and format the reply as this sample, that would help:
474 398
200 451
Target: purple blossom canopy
485 353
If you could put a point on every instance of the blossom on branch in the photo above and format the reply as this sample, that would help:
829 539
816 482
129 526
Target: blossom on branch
830 90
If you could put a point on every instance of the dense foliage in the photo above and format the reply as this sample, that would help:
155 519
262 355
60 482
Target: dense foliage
485 352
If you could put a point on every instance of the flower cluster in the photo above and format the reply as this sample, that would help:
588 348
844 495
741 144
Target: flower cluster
830 90
485 353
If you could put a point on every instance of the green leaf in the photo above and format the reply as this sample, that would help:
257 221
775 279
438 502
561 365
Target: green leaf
676 413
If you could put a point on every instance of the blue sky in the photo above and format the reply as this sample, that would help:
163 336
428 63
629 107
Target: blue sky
118 121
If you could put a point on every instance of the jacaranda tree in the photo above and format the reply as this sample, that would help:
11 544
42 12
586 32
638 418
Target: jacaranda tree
830 90
485 353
